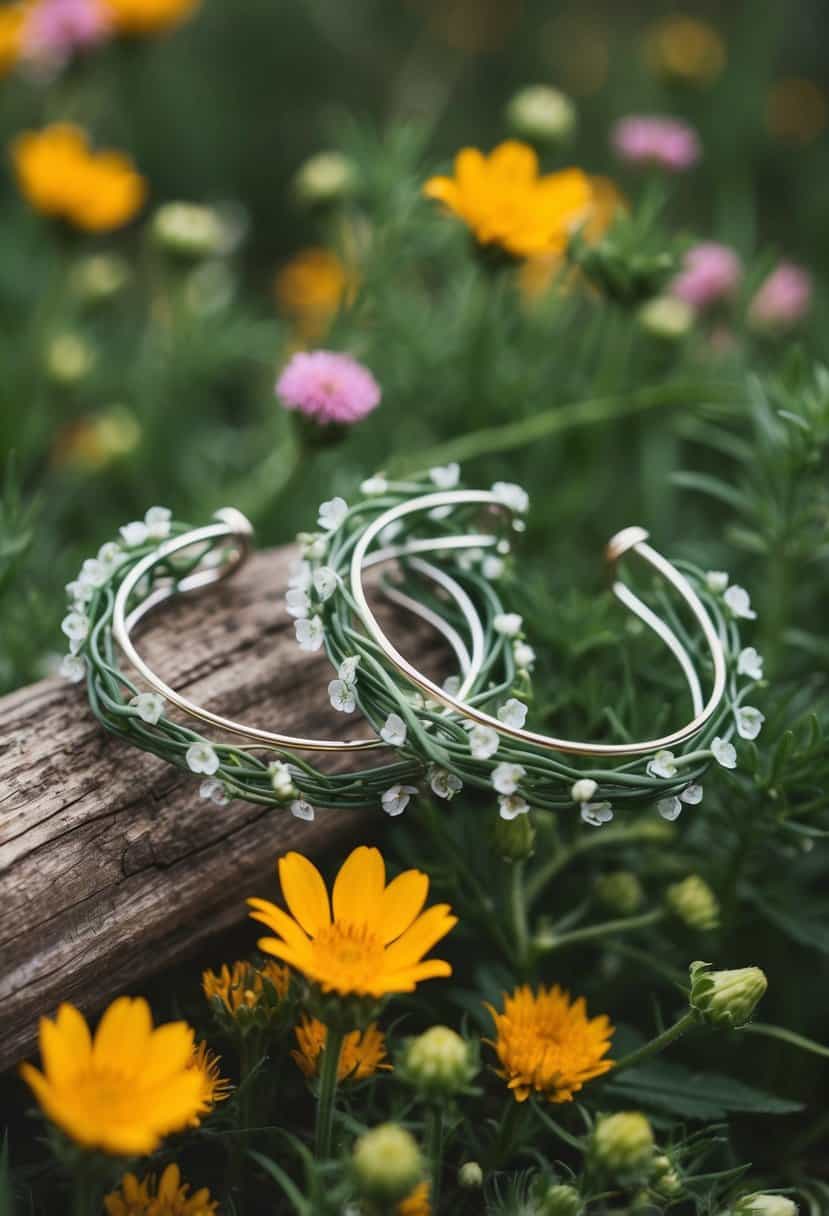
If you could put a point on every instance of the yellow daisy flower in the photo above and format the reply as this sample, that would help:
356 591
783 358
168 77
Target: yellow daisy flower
123 1090
310 288
547 1045
166 1196
214 1087
369 939
361 1054
242 986
505 201
416 1202
149 16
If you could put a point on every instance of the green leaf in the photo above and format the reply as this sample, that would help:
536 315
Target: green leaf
667 1086
806 926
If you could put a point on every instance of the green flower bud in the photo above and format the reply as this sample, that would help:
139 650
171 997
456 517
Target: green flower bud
542 114
470 1175
666 317
514 839
99 277
765 1205
69 359
325 178
438 1062
560 1201
188 230
621 892
693 901
665 1180
387 1163
726 998
622 1145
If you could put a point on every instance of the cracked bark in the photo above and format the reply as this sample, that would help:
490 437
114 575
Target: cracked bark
111 866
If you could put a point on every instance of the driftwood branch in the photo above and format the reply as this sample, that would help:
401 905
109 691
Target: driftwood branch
111 866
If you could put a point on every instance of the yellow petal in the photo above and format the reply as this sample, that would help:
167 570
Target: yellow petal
403 900
407 978
276 947
169 1183
358 887
428 929
443 189
513 162
65 1045
168 1052
470 170
304 892
122 1036
272 916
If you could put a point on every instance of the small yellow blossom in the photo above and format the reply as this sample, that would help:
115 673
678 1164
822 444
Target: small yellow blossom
166 1196
59 176
369 939
361 1055
149 16
12 20
416 1202
683 48
504 200
95 441
214 1087
242 986
311 287
122 1090
538 274
547 1045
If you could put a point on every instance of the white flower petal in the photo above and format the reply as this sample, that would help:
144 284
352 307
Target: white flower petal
297 602
201 758
309 633
512 805
583 789
506 777
73 668
596 813
446 476
341 696
483 742
348 669
325 582
524 655
444 784
513 496
663 765
395 799
750 663
716 581
513 713
332 513
749 722
723 752
394 731
301 809
300 575
507 623
157 522
738 602
692 795
669 808
374 485
149 706
134 533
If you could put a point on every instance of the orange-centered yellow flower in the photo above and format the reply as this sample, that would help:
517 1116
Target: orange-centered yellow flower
369 939
214 1087
122 1091
505 201
361 1055
59 176
148 16
416 1202
547 1045
159 1197
310 288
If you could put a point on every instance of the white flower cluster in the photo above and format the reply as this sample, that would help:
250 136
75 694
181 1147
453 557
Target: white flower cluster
593 813
308 588
735 598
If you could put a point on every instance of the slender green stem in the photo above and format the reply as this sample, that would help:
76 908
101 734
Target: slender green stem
83 1190
597 840
591 932
786 1036
434 1144
507 1128
327 1092
658 1044
518 905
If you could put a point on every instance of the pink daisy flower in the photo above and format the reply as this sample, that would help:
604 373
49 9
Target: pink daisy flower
668 143
783 298
55 29
710 272
328 387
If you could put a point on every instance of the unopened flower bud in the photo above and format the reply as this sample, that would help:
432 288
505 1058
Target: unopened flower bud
542 114
560 1201
693 901
387 1163
620 892
470 1175
765 1205
623 1144
325 178
514 839
726 998
188 230
438 1062
665 1180
583 789
666 317
99 277
69 359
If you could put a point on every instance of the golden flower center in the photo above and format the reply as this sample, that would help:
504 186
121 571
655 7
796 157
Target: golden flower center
349 956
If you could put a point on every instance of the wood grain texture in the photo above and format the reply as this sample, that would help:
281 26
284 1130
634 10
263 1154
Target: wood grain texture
111 865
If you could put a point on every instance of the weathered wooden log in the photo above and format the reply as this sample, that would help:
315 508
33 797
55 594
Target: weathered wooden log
111 865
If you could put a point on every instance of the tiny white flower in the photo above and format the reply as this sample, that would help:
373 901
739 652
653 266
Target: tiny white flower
524 655
737 600
341 696
439 513
716 581
73 668
469 559
452 685
157 521
281 780
444 784
347 670
723 752
93 573
512 805
300 575
750 663
134 534
301 809
663 764
309 633
507 777
583 789
446 476
492 567
312 545
297 602
749 722
214 791
201 758
76 626
415 699
111 555
394 731
395 799
513 496
80 592
507 623
483 742
332 513
692 795
391 532
669 808
149 706
503 547
374 485
325 582
596 813
513 713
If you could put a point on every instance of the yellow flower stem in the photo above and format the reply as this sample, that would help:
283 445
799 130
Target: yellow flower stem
663 1040
434 1147
591 932
327 1092
518 904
